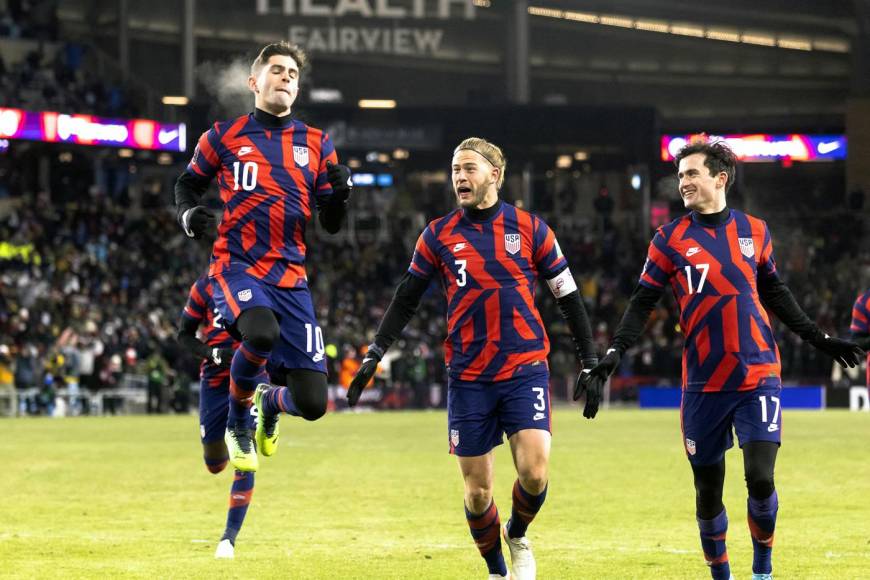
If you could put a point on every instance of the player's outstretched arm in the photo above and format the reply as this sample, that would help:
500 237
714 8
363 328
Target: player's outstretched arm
592 381
402 308
195 219
332 209
186 337
778 298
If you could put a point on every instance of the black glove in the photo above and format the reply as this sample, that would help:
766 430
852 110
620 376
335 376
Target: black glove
196 221
222 357
591 381
339 178
848 354
364 374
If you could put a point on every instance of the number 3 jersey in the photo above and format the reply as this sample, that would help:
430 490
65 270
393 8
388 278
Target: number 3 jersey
489 272
714 270
201 309
269 180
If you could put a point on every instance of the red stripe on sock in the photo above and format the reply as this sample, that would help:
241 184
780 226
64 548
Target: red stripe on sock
240 395
240 498
759 535
716 561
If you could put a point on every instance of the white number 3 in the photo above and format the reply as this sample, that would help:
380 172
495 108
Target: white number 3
460 275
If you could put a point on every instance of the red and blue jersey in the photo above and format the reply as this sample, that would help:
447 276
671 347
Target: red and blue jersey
861 322
714 271
269 181
489 271
201 309
861 314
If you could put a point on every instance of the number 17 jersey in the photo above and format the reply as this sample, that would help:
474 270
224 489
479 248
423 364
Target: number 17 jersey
714 271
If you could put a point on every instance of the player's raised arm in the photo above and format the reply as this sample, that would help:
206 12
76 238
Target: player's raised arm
777 297
332 189
194 218
400 311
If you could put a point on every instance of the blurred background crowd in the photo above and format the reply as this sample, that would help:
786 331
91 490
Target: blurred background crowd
94 269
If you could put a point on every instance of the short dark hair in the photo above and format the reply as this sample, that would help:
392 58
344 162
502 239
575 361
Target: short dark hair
283 48
718 157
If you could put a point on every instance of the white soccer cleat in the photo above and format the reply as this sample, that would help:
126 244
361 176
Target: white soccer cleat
500 577
523 565
762 576
225 551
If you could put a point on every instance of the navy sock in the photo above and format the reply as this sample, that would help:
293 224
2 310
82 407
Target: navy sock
761 514
279 400
713 543
240 498
246 371
524 509
485 530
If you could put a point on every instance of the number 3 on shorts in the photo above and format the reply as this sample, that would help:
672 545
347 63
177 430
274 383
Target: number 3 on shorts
541 405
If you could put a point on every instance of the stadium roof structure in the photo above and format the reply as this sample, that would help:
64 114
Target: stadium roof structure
736 62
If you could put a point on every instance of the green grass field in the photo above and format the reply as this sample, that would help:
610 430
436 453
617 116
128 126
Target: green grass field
377 496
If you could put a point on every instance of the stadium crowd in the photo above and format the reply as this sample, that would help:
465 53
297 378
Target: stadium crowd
92 286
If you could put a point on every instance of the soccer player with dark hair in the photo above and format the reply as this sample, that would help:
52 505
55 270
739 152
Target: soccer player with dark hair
272 171
488 257
860 327
216 351
719 263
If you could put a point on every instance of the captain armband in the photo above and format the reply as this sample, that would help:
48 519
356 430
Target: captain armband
563 284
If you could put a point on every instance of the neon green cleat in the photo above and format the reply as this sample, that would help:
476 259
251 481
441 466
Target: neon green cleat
267 425
240 447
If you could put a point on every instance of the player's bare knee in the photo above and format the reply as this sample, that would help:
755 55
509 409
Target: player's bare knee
534 481
477 498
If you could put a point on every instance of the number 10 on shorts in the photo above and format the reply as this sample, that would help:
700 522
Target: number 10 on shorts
313 339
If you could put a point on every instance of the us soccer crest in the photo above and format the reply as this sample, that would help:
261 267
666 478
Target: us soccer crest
245 295
690 446
454 437
300 154
512 243
747 247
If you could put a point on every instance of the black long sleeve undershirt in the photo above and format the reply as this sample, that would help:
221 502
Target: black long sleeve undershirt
186 337
574 313
640 305
331 214
189 188
405 302
776 296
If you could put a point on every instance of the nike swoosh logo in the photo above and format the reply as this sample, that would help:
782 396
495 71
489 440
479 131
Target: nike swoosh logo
245 150
825 148
168 136
692 251
458 247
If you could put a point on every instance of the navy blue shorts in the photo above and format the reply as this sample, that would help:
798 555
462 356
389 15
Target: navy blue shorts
300 345
479 412
213 408
708 418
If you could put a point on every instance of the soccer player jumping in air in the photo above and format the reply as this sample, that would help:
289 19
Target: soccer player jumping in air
272 170
719 262
216 350
488 256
